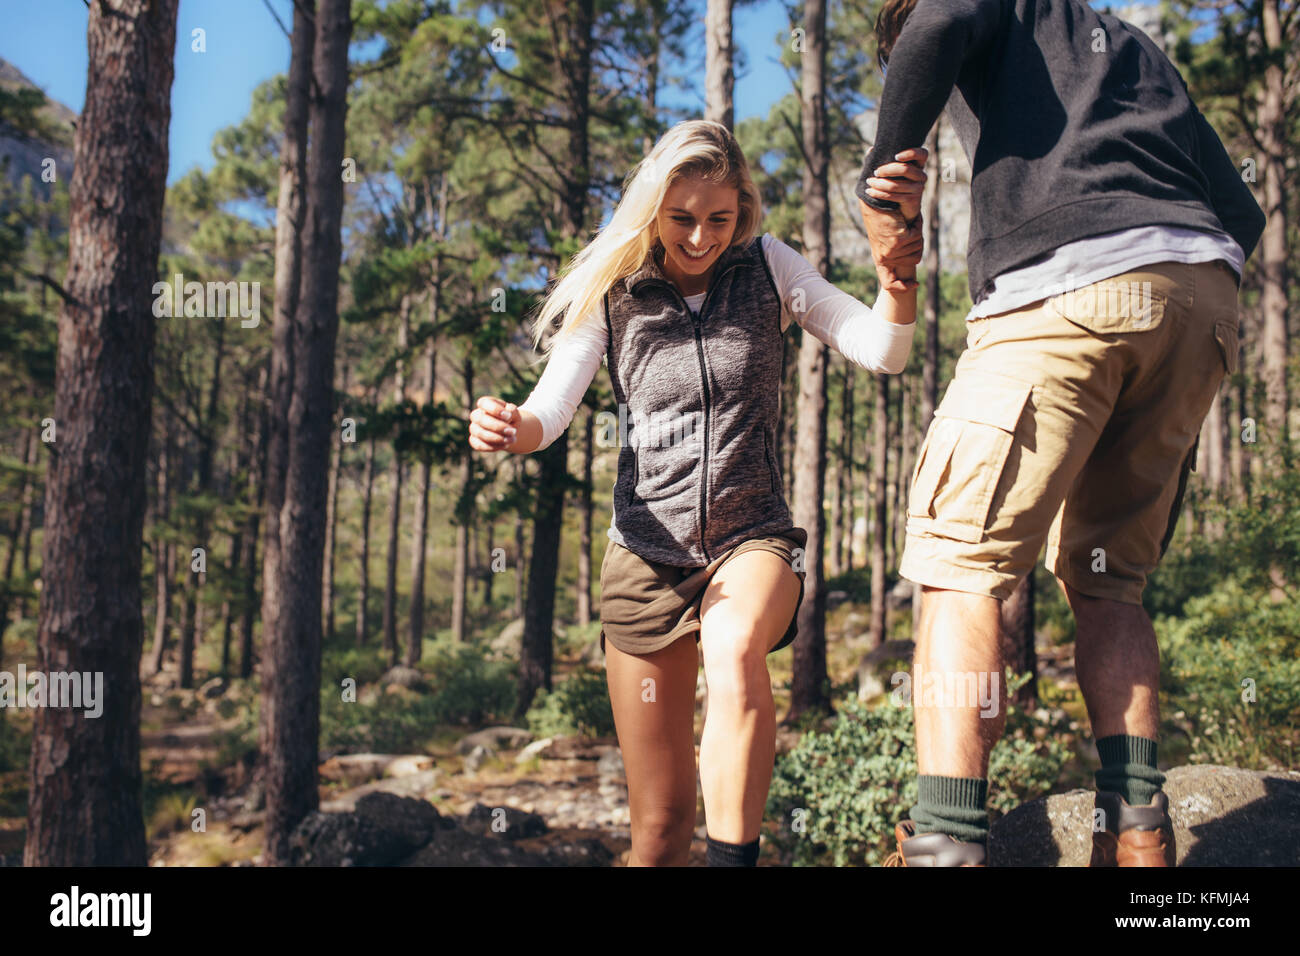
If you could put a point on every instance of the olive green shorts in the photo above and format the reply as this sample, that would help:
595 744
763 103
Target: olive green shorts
645 606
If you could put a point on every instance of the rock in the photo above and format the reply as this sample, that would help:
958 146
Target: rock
610 764
456 847
1222 816
507 643
403 676
477 757
872 676
381 831
422 785
354 768
408 764
536 749
247 821
583 852
900 595
577 747
505 822
494 738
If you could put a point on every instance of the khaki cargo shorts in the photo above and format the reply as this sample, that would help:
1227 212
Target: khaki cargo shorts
1074 420
645 606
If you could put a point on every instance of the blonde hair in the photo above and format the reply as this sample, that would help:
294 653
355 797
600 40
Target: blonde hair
696 148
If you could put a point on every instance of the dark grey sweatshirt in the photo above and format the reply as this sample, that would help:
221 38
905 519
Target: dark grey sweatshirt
1075 124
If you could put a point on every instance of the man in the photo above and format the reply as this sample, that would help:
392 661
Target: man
1108 234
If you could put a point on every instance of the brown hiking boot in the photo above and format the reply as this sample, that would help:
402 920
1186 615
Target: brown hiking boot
1133 836
932 849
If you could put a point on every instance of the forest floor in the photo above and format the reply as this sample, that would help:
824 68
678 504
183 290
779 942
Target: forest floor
198 810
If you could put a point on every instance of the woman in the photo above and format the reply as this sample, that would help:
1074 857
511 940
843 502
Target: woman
690 307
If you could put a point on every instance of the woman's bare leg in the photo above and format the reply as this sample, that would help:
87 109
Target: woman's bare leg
746 609
653 696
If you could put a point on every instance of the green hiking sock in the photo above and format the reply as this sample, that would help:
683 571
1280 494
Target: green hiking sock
1128 767
952 805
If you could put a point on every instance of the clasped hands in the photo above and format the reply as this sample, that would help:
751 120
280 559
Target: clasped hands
895 235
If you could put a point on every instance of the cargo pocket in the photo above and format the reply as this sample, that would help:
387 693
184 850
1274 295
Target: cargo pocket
1225 334
964 454
1112 305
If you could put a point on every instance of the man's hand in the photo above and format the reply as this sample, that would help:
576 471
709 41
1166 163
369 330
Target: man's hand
895 247
895 235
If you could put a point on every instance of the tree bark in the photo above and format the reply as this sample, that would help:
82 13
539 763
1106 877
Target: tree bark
395 502
291 690
719 76
84 804
808 688
879 495
537 645
1018 639
460 576
1274 103
584 527
933 307
288 282
363 586
332 516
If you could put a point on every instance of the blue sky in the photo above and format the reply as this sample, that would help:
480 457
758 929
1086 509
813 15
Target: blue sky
46 40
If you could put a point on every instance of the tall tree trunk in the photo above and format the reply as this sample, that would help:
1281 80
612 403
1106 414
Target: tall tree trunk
419 548
84 804
1018 650
395 502
1274 101
332 515
719 76
162 551
879 494
291 694
904 470
537 646
489 576
658 13
847 517
193 632
933 306
246 655
808 690
836 527
584 527
288 282
459 580
521 578
17 533
363 586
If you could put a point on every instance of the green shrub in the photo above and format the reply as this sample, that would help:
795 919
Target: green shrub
839 792
1233 645
578 705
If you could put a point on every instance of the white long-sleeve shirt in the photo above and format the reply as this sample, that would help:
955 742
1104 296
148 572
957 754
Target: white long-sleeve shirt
833 316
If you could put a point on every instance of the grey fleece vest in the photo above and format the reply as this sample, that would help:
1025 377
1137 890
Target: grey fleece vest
697 474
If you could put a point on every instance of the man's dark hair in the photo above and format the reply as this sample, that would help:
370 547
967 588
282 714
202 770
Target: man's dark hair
889 24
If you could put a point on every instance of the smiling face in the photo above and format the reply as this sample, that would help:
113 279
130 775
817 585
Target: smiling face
696 222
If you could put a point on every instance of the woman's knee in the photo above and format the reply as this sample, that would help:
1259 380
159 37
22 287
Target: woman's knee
662 834
735 669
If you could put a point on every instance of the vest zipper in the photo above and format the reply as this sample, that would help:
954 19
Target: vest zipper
697 322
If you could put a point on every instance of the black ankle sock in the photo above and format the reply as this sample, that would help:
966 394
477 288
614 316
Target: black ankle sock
952 805
732 854
1128 767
